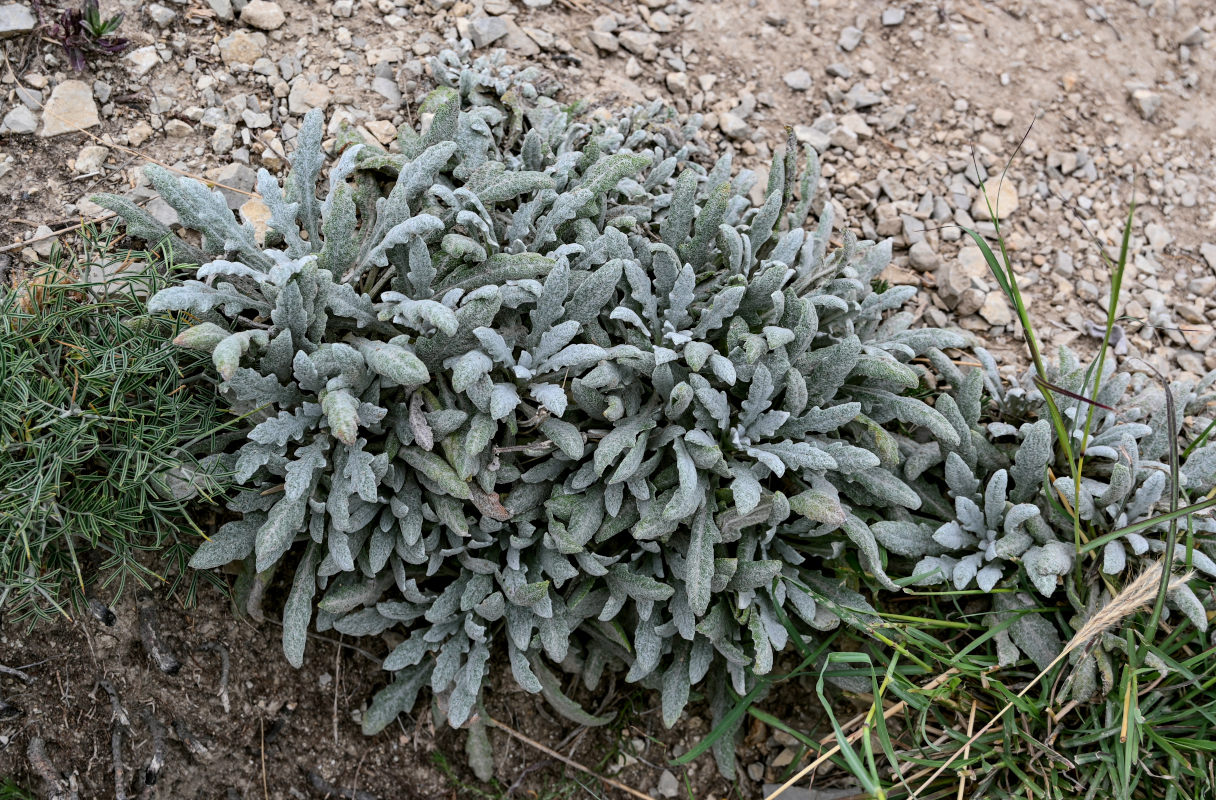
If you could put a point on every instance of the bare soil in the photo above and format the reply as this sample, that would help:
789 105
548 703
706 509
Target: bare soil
283 726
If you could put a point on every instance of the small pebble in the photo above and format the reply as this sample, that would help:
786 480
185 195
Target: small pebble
850 37
263 14
799 80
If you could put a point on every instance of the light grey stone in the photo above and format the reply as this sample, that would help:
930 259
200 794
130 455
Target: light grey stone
221 141
843 138
799 80
1158 236
542 37
161 211
1208 251
660 22
816 138
859 96
242 47
642 43
995 310
1193 38
263 14
732 125
604 40
1146 102
45 244
142 60
236 176
306 95
70 108
159 14
20 120
222 9
139 133
850 37
16 19
962 281
388 89
487 30
1191 362
669 785
178 129
922 257
255 119
213 117
264 66
31 98
857 124
518 41
91 158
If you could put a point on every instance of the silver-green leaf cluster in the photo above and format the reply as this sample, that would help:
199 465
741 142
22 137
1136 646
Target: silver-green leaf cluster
545 383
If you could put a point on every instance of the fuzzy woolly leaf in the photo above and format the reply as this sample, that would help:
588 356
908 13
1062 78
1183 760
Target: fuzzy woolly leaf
279 531
297 612
232 542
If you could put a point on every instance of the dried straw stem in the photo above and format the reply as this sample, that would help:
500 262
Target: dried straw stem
567 761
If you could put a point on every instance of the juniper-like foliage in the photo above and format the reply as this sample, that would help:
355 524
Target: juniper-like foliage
105 435
548 384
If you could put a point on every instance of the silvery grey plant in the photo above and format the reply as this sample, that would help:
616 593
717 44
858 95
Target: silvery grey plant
549 384
1010 517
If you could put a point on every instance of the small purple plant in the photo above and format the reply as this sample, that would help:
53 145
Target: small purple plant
82 31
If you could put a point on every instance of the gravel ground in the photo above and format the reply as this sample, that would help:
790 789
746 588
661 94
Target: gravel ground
910 105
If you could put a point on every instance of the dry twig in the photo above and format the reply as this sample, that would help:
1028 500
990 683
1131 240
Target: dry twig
337 683
56 787
152 772
567 761
262 740
149 635
120 713
194 746
120 774
225 666
16 673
